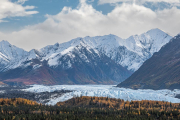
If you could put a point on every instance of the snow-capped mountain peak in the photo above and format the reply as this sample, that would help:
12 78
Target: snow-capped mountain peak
129 53
11 52
4 42
33 54
110 40
150 41
90 60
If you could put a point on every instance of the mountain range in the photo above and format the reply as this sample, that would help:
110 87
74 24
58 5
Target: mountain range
105 59
161 71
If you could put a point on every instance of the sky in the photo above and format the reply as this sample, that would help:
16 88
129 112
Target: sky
33 24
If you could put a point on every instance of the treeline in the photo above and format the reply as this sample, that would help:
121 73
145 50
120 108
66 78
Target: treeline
16 101
89 108
119 104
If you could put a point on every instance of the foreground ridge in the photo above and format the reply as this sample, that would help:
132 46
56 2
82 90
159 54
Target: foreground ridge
161 71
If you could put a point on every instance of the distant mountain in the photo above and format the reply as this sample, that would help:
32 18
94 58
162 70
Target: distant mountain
91 60
82 65
161 71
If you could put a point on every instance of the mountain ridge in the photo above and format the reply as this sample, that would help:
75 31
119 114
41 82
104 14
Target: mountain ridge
128 55
161 71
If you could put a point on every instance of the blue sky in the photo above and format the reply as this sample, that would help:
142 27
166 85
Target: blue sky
36 23
51 7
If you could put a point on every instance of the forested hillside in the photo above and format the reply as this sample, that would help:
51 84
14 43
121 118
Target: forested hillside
88 108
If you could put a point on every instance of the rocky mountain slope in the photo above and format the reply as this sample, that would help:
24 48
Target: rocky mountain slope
159 72
91 60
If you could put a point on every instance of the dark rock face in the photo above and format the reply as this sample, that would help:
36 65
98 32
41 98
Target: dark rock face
162 71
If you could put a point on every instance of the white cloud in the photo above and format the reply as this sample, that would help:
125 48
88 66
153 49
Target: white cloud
123 21
21 1
168 1
10 9
138 1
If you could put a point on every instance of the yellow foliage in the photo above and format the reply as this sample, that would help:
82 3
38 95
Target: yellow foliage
16 101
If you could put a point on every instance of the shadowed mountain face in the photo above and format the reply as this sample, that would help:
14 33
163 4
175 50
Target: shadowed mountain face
85 67
161 71
91 60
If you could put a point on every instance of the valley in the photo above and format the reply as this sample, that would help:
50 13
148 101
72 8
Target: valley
50 95
81 76
89 60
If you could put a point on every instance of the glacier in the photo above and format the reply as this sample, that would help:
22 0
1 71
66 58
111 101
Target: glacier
106 91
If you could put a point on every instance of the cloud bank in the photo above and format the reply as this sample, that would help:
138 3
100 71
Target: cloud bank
138 1
12 9
123 21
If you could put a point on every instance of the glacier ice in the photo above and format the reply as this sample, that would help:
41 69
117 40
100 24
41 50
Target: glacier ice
106 91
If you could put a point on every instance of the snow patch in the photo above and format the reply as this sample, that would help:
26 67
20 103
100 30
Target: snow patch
67 50
36 66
